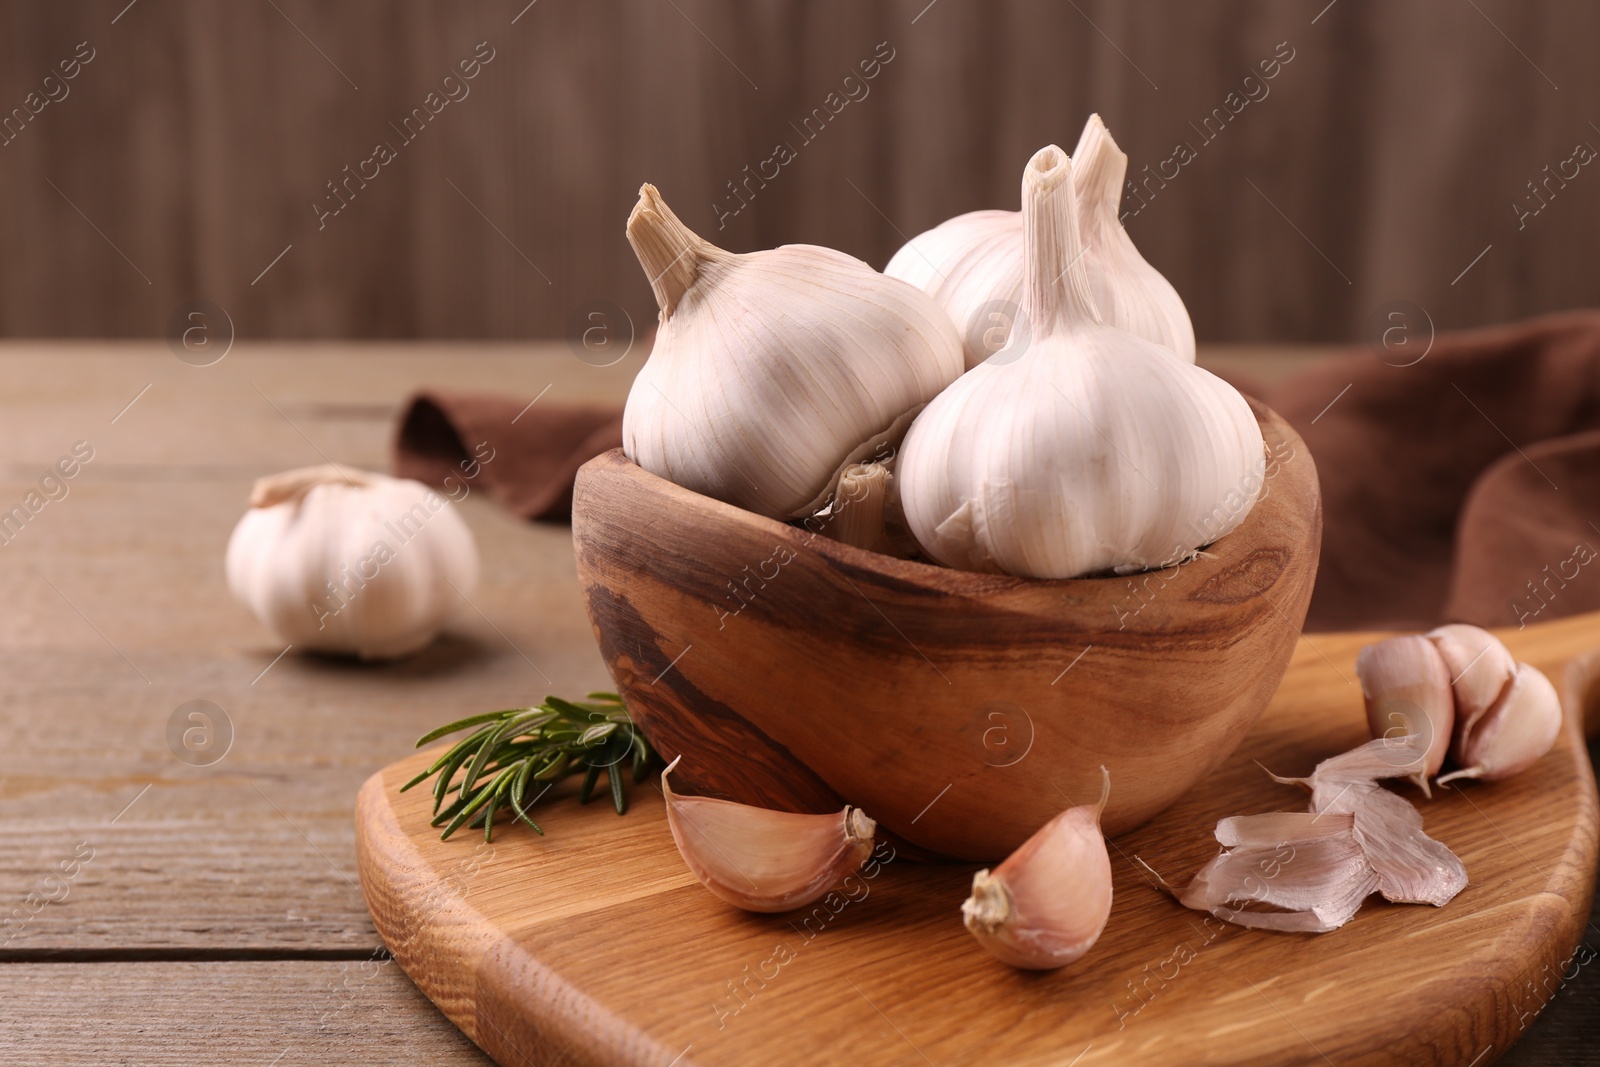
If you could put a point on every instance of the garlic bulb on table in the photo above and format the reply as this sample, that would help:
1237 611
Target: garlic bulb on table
1082 449
773 370
972 264
341 560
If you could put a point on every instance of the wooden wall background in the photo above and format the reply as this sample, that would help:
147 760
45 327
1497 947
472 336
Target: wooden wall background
188 153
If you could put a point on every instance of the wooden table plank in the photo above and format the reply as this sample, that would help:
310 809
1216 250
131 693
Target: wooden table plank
249 857
118 613
183 1014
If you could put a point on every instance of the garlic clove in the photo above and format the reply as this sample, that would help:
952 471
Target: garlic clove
1047 903
771 369
1480 667
1513 734
1109 453
1406 686
763 860
347 561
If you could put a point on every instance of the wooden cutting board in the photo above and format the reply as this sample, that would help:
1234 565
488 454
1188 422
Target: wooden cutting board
594 945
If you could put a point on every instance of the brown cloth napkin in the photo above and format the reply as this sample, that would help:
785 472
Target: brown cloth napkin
524 454
1464 487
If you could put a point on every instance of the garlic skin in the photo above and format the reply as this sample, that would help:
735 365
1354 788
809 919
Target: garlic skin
1046 905
972 264
1480 667
1513 734
1130 293
773 370
864 511
340 560
1406 686
1083 448
762 860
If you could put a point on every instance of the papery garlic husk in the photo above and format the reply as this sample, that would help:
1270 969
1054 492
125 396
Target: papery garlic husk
1406 686
1480 667
762 860
1288 871
1513 734
1046 905
773 370
972 264
1410 866
1083 448
341 560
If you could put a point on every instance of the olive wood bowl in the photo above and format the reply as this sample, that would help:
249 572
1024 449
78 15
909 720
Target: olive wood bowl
960 710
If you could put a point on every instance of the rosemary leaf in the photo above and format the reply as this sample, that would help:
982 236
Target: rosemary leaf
506 750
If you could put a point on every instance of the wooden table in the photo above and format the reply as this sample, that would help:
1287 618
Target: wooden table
211 913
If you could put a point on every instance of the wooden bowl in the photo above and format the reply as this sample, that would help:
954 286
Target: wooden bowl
960 710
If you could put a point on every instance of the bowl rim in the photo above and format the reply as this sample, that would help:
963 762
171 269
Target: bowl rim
937 578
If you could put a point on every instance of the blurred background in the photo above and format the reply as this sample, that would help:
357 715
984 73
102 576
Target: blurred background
329 170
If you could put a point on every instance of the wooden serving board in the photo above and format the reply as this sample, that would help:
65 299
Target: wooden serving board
594 945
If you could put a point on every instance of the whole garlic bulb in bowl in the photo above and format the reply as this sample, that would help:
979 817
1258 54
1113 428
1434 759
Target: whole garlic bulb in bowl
348 561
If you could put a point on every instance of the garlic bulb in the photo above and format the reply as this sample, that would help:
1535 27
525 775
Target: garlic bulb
1511 736
349 561
1046 905
1084 448
773 370
972 264
763 860
1406 686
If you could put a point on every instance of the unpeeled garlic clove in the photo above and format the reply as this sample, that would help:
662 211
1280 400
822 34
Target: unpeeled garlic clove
1513 734
763 860
1046 905
1406 686
1480 667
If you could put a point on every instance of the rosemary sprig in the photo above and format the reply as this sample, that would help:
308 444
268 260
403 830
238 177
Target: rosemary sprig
509 751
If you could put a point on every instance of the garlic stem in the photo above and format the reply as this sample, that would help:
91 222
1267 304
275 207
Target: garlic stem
295 484
1055 279
858 514
669 251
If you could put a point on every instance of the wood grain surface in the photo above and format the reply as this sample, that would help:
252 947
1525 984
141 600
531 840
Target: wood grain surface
596 946
1379 163
222 909
790 670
